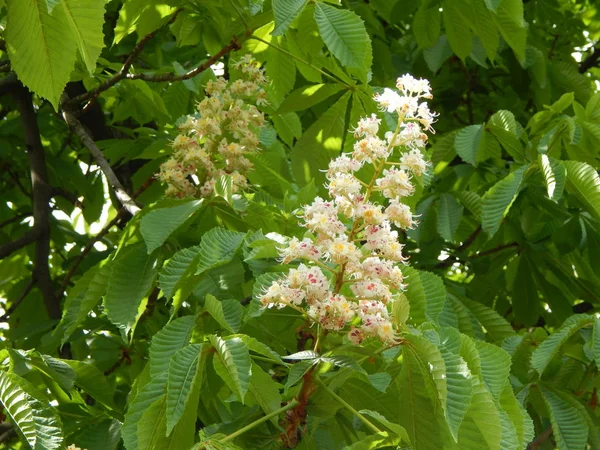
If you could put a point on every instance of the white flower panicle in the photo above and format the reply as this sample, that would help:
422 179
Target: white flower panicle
352 256
217 141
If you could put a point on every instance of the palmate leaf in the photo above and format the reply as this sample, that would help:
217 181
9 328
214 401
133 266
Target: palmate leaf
584 182
157 225
498 200
36 420
131 276
569 425
345 36
232 363
81 299
185 370
542 355
285 11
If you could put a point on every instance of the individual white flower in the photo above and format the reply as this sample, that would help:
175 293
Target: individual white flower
334 313
374 288
340 251
395 183
367 126
343 184
371 213
413 161
389 100
296 249
370 149
343 164
400 214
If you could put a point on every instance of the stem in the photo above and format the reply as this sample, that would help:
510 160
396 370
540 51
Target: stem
272 361
332 77
241 431
343 402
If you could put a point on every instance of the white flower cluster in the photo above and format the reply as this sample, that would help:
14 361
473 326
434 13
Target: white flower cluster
216 142
351 271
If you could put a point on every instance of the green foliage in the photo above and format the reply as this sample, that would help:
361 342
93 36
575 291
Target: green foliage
145 331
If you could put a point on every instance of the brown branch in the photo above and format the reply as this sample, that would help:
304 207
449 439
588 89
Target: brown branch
539 440
93 94
234 44
14 219
60 192
42 193
18 301
466 244
88 248
590 61
110 175
10 247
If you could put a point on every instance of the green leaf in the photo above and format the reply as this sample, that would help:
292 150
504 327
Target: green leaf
218 247
151 429
562 103
38 422
86 18
498 200
494 365
596 342
306 97
512 26
232 363
320 143
427 23
227 312
265 391
569 427
281 73
81 299
542 355
159 224
482 426
345 36
91 380
174 336
176 270
554 176
288 126
448 216
285 11
467 142
131 276
426 295
521 421
496 326
583 181
41 47
459 34
185 371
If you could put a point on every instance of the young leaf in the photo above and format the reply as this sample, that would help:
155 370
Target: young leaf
159 224
35 420
498 200
232 363
184 371
131 276
345 36
542 355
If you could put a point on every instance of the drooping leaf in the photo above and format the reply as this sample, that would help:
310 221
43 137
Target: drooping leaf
185 370
584 182
494 365
498 200
232 363
131 276
542 355
568 424
481 426
285 12
227 312
38 422
345 35
554 175
159 224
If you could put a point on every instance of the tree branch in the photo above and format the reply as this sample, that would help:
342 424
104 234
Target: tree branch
590 61
10 247
42 193
14 219
88 248
110 175
18 301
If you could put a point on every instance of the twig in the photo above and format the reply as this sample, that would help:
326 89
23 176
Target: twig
14 219
18 301
234 44
60 192
10 247
590 61
110 175
93 94
86 250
